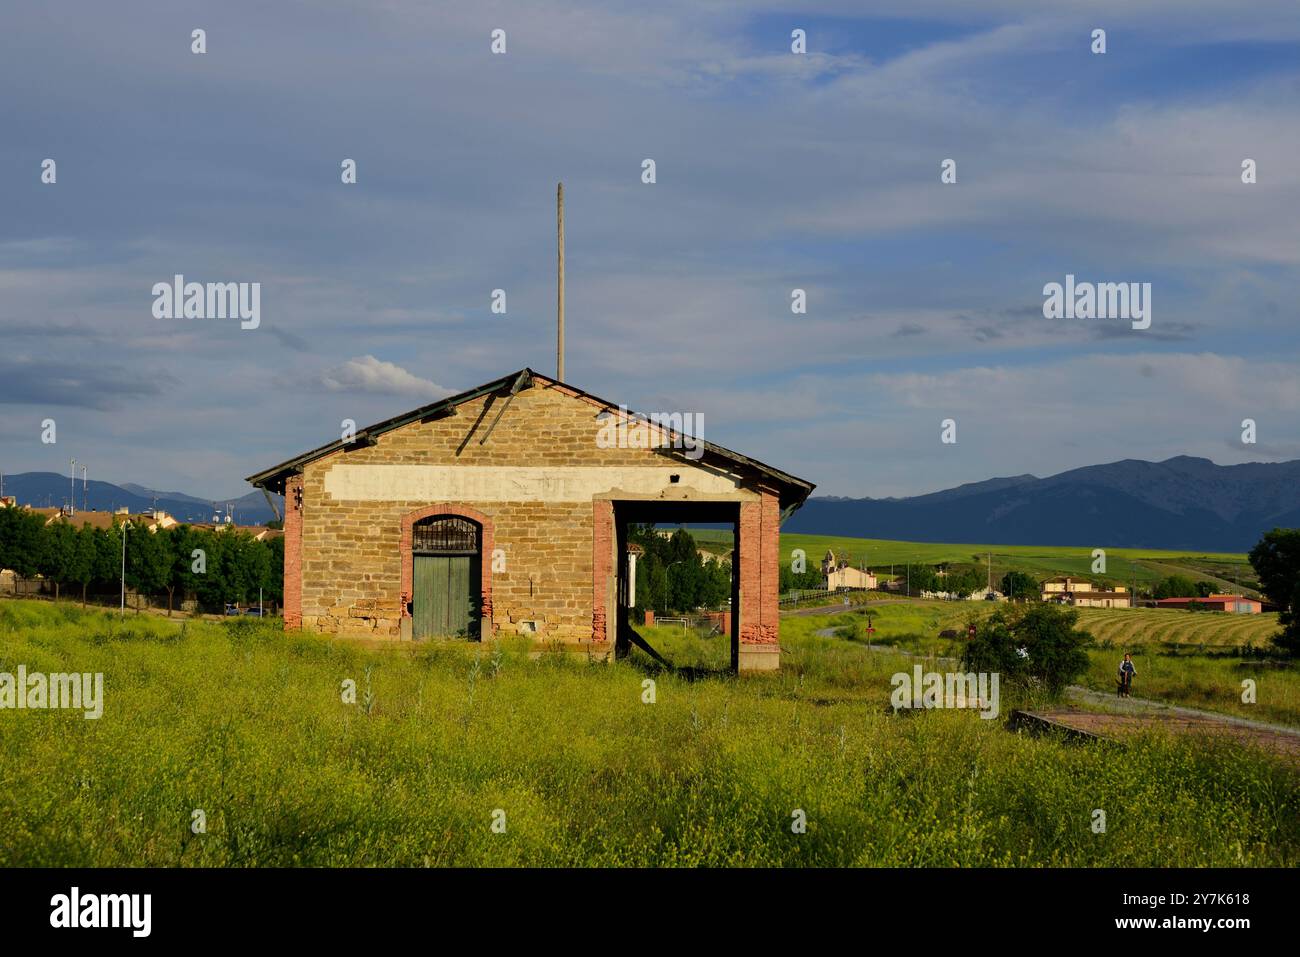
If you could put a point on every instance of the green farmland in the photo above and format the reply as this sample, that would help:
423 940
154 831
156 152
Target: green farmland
1124 566
1149 627
582 764
1122 628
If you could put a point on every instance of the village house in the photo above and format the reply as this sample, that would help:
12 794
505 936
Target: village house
103 519
837 573
499 511
94 518
1083 594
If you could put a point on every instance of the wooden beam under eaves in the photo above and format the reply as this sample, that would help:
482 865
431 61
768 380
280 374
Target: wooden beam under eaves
522 382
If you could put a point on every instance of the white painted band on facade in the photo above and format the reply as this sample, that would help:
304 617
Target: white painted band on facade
462 483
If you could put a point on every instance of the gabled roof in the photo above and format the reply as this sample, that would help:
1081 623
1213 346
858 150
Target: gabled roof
792 490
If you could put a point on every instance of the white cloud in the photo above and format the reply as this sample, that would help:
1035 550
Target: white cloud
774 172
366 374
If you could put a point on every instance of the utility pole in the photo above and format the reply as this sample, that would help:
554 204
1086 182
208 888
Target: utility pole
72 489
559 286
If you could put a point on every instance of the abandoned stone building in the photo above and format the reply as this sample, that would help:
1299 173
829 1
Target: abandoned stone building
504 510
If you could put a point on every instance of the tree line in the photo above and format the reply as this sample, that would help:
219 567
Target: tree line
214 567
672 575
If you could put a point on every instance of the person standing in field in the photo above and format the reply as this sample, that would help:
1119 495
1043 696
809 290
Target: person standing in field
1126 673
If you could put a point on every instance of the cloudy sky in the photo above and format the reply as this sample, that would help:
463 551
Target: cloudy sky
775 171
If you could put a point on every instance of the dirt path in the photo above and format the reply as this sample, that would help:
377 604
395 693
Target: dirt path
1118 725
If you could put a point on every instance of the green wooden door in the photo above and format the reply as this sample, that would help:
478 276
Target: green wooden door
426 577
445 601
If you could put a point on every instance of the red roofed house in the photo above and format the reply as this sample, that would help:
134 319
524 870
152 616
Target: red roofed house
1238 604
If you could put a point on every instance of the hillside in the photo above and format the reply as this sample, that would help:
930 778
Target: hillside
1182 503
50 488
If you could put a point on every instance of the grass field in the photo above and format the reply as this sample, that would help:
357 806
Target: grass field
247 724
1126 629
1146 627
1212 684
1183 658
686 648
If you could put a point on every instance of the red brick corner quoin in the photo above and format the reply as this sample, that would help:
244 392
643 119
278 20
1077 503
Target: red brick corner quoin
602 552
293 553
760 548
486 544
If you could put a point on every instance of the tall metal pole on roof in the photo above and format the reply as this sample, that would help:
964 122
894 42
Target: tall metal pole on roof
559 288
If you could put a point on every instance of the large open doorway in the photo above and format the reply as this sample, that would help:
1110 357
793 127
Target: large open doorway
446 557
685 634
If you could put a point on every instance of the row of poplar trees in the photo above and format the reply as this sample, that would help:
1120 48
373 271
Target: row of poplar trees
214 567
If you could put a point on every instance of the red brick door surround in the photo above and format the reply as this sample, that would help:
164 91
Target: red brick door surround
486 545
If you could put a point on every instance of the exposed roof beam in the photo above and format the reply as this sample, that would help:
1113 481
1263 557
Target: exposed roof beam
523 381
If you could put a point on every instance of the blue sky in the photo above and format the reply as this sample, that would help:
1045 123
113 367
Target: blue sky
775 171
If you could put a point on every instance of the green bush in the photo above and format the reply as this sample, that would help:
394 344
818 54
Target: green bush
1035 646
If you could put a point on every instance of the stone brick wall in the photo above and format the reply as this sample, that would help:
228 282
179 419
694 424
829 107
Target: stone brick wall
351 563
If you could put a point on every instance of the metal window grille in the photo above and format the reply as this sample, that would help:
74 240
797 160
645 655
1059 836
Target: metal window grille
446 536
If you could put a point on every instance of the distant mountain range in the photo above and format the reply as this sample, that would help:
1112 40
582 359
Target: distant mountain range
1181 503
49 488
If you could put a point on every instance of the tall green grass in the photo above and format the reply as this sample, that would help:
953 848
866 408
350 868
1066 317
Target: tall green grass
1169 668
246 723
1198 681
